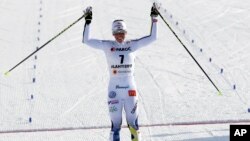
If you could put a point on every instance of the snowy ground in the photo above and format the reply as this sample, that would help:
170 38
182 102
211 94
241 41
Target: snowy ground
68 80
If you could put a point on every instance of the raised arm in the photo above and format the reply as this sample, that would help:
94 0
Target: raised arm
98 44
144 41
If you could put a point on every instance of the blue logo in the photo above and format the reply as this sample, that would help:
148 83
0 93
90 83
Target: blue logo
112 94
134 109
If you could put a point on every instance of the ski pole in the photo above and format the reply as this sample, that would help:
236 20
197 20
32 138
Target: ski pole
6 73
189 53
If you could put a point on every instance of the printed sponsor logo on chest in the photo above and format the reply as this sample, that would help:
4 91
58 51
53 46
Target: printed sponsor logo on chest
122 66
113 49
119 71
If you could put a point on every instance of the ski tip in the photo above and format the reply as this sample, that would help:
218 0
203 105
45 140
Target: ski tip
6 73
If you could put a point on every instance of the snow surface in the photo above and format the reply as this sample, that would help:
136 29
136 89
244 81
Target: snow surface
70 79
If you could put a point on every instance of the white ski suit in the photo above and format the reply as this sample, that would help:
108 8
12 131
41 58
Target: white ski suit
122 88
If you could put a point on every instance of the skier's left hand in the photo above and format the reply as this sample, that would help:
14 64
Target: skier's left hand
154 11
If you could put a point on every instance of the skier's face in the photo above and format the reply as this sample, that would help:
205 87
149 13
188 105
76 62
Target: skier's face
119 37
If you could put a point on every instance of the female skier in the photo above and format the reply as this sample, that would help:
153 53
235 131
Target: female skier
122 92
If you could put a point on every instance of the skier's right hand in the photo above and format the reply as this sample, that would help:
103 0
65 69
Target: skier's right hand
88 13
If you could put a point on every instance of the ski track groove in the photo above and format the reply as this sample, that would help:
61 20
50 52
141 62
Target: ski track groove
142 103
80 100
155 82
179 93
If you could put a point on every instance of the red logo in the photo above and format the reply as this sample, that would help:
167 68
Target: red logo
114 71
112 49
132 93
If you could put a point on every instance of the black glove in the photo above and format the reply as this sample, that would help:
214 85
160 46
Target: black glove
154 11
88 13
